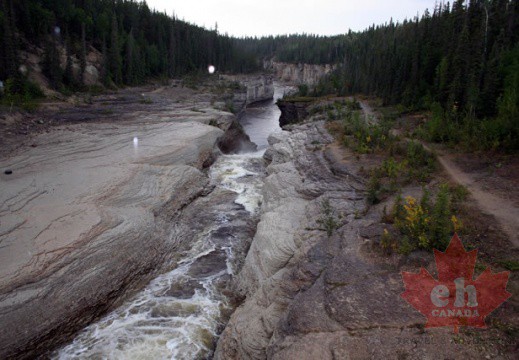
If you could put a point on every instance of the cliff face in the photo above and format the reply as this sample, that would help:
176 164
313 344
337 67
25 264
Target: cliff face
297 74
254 88
292 111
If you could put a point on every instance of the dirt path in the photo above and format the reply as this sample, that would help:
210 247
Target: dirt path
504 211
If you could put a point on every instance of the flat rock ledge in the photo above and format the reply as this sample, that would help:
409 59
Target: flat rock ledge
87 218
308 295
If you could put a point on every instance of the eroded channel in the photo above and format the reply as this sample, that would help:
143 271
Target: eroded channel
180 313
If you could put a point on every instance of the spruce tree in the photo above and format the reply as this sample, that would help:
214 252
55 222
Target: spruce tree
10 52
51 63
114 54
83 53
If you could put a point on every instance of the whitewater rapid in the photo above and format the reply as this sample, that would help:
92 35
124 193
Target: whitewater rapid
180 313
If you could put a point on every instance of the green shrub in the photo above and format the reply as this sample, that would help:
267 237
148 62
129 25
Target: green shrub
19 91
424 225
512 265
421 163
328 219
302 90
374 189
471 133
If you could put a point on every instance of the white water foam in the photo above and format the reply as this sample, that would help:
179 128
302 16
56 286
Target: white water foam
158 325
230 172
155 325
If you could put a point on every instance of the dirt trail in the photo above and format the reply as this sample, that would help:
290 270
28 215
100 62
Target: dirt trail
504 211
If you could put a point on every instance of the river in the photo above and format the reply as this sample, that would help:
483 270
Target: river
180 313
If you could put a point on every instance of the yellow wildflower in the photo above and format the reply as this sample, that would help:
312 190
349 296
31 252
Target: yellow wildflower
455 223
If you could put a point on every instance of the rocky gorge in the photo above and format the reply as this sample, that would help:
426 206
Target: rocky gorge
140 227
90 210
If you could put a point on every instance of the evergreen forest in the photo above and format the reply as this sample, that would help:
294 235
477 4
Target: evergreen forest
459 60
136 42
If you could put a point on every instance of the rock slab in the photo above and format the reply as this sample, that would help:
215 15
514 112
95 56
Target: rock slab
86 218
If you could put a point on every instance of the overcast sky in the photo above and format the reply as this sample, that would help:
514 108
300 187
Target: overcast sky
273 17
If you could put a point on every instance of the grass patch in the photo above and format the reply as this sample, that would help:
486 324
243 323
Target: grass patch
146 101
412 164
303 99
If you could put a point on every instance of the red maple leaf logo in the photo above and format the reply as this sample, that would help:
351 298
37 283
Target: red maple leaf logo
455 299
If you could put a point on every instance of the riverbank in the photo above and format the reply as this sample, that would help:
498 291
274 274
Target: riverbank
316 283
87 210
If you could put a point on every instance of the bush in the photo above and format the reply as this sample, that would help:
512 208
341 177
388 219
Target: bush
423 225
328 219
471 133
19 91
368 138
418 165
374 189
302 90
421 163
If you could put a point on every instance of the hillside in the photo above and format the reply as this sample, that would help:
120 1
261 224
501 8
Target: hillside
115 42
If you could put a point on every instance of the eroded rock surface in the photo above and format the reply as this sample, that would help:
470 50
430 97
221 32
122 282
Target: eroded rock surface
313 296
87 214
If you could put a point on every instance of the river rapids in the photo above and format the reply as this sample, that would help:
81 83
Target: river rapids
180 313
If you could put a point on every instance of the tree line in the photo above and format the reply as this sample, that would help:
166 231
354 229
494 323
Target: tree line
461 61
136 42
303 48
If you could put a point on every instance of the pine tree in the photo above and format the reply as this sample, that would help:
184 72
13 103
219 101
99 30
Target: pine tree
10 52
105 70
68 76
114 54
51 63
172 50
83 53
130 76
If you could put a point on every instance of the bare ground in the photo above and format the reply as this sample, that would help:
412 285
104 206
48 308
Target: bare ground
492 179
488 192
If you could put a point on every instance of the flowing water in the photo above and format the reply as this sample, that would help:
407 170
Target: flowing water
179 314
262 119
